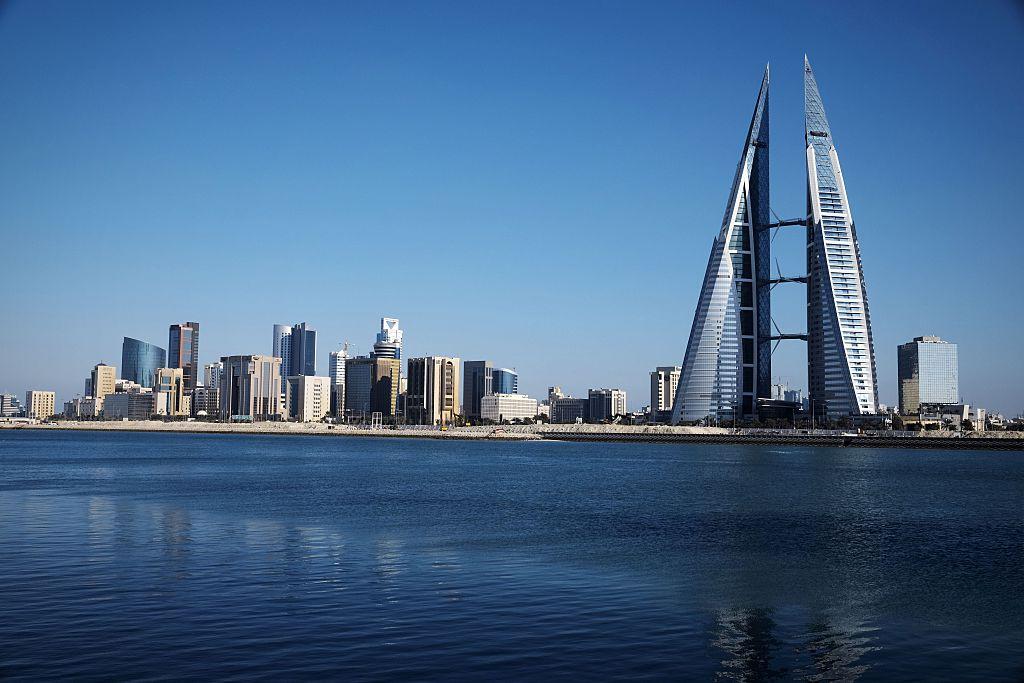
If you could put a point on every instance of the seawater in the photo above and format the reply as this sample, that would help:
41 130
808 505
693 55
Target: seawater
171 556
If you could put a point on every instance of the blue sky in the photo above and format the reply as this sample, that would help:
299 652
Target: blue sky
533 183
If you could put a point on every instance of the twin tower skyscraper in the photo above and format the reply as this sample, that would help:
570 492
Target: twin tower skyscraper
727 369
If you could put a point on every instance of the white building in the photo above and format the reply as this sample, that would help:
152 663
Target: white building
664 381
336 371
308 398
507 407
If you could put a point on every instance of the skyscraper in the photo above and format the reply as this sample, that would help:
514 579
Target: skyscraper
296 347
477 382
336 371
183 352
282 347
727 364
389 339
840 351
928 373
102 380
139 361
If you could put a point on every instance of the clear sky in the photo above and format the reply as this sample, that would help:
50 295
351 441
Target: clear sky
533 183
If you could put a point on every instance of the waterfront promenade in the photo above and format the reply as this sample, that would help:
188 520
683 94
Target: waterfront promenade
568 432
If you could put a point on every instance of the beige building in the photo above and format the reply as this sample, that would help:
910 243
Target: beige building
40 404
102 380
170 382
433 390
250 388
308 398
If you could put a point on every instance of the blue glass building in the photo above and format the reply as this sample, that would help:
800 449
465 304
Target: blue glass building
140 360
505 381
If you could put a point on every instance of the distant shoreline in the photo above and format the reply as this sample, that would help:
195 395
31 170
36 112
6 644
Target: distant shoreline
573 432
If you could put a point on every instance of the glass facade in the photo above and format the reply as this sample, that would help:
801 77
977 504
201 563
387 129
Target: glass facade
928 372
140 360
477 382
505 381
840 351
727 364
183 352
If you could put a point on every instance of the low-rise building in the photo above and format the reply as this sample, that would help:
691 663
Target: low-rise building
137 404
606 404
507 407
10 406
567 410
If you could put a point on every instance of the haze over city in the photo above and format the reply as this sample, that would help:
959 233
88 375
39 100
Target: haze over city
530 184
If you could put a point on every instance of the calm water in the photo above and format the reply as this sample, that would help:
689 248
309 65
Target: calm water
178 556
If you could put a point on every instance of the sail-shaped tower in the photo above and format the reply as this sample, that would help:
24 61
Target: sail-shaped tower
840 351
727 365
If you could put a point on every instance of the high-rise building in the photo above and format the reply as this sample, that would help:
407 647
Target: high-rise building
170 382
664 381
211 374
250 388
336 371
389 339
308 398
387 382
10 406
727 364
507 407
139 361
928 373
477 379
840 350
432 397
102 381
606 404
282 347
183 352
505 381
358 386
40 404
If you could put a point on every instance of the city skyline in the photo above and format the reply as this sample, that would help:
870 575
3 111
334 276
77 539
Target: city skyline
634 171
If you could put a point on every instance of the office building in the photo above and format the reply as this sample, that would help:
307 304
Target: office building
83 408
606 404
139 361
840 350
303 340
568 410
359 373
432 396
727 366
282 347
170 384
40 405
664 381
505 381
477 379
727 363
211 374
10 406
336 371
250 388
308 398
135 404
102 381
183 352
928 373
387 382
204 401
507 407
389 340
